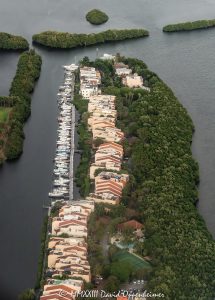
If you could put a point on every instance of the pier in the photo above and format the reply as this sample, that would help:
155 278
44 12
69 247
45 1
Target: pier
72 154
63 162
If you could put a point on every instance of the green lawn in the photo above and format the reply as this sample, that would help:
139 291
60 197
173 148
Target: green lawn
136 262
4 112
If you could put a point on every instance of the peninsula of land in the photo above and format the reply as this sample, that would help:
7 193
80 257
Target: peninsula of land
65 40
188 26
16 108
137 219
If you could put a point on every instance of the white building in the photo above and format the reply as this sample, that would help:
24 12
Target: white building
107 56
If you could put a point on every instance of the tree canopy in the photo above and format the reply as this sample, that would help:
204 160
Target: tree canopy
65 40
28 71
12 42
96 17
187 26
163 190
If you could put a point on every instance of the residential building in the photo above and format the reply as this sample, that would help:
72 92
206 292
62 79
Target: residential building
73 228
56 242
108 156
89 73
133 81
90 79
82 207
109 187
105 161
122 69
94 168
133 224
107 176
111 148
108 198
107 56
108 134
72 216
61 289
100 105
100 124
104 112
101 98
70 263
92 120
88 90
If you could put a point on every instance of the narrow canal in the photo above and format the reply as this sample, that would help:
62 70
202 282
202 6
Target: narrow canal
184 61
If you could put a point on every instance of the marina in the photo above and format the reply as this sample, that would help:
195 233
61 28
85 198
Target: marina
25 183
65 146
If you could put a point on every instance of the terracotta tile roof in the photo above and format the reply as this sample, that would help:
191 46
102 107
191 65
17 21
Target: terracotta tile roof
109 187
71 222
130 224
60 286
122 298
111 144
116 184
56 297
108 183
109 157
105 124
73 214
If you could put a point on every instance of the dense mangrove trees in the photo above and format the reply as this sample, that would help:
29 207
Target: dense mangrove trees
163 185
19 102
96 17
12 42
56 39
187 26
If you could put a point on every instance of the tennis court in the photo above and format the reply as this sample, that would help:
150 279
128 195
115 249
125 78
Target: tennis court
135 261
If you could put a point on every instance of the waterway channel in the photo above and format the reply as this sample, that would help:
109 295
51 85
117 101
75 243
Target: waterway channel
185 61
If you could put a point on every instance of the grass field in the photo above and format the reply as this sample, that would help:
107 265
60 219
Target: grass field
4 112
136 262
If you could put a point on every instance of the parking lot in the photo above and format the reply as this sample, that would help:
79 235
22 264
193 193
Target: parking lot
136 286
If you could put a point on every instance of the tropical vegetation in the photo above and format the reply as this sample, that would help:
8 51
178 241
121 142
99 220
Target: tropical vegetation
84 144
187 26
54 39
28 294
19 103
12 42
163 185
42 255
96 17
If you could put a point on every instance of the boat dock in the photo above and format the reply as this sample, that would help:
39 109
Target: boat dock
62 188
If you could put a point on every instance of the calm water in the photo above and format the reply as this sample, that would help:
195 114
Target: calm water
185 61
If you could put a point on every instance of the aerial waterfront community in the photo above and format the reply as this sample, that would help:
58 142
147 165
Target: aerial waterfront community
137 181
68 268
105 239
100 188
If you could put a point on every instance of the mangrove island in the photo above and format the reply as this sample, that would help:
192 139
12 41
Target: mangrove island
188 26
96 17
65 40
16 108
12 42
